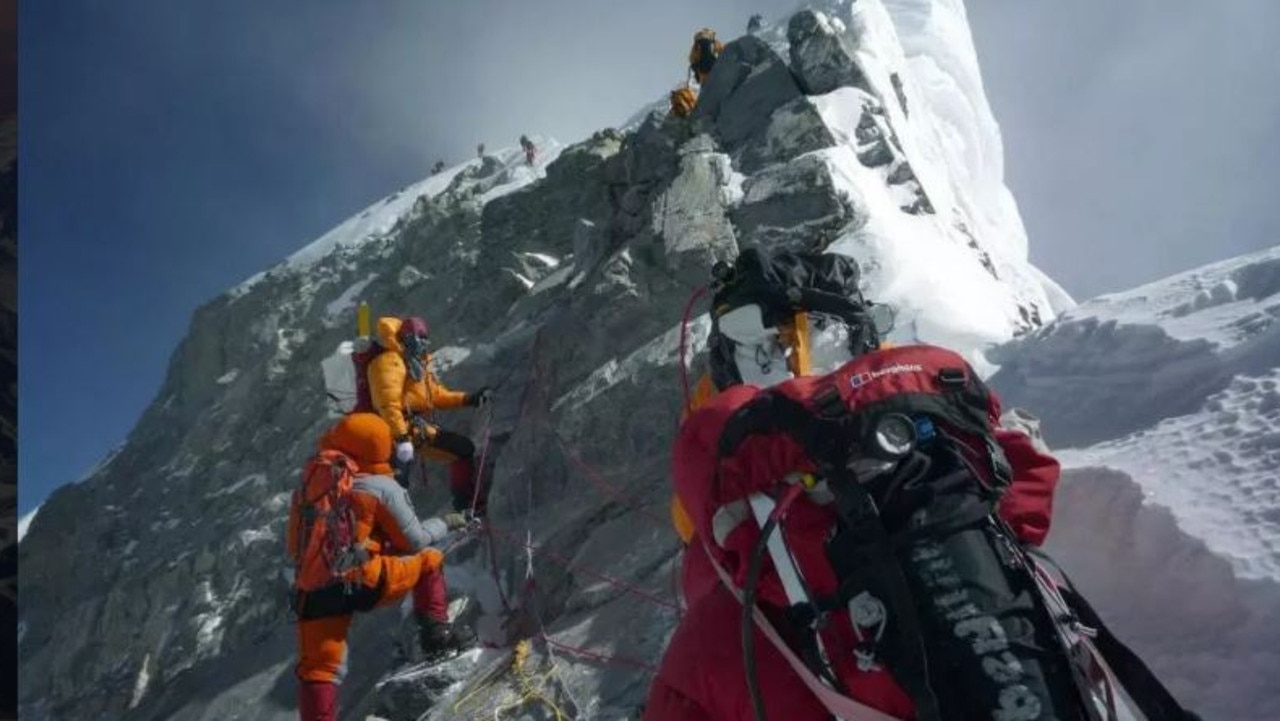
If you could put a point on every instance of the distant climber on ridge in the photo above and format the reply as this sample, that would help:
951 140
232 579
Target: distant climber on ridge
683 100
437 168
405 392
357 544
480 150
704 53
530 150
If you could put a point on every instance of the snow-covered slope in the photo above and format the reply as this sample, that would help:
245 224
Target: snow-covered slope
25 522
912 130
1210 634
1170 395
1183 377
1217 469
1164 348
379 220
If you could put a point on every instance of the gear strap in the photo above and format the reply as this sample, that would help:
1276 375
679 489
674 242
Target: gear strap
841 706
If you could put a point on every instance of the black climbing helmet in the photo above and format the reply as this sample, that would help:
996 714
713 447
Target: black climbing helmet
755 305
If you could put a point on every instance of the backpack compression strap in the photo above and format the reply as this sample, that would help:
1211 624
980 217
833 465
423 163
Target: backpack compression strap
841 706
1122 666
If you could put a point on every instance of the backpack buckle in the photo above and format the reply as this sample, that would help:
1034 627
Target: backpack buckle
952 378
829 403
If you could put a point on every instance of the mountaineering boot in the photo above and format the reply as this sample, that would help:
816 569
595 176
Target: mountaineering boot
317 701
440 639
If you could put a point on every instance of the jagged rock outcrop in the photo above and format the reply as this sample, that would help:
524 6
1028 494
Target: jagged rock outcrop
562 291
822 54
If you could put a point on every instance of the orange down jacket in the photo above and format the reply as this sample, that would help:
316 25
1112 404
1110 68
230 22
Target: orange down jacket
385 522
397 396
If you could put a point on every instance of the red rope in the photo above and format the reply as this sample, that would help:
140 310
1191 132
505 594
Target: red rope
684 343
484 452
493 563
580 568
599 481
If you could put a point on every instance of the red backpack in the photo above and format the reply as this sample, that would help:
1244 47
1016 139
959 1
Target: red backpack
322 526
363 353
931 583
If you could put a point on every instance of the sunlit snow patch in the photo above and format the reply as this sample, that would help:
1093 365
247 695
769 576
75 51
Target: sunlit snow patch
24 523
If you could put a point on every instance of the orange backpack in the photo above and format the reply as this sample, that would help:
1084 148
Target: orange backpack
682 101
322 524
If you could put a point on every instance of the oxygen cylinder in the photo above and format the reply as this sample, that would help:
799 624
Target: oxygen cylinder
363 324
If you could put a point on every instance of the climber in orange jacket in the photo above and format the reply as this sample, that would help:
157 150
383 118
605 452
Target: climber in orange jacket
406 393
395 558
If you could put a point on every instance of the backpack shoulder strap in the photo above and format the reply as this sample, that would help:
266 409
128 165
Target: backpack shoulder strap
838 704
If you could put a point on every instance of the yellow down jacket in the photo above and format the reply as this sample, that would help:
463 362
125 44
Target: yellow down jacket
397 396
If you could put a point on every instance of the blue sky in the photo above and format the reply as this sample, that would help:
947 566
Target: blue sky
171 149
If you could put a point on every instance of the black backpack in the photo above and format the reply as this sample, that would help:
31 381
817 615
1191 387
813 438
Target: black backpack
706 54
970 623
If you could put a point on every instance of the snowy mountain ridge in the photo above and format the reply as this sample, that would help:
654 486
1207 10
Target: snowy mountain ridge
1228 303
380 219
1164 402
860 129
1206 345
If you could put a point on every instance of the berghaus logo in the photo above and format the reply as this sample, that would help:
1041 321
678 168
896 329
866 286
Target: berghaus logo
861 379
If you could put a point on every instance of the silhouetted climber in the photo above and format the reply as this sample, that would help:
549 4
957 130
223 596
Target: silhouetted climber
437 168
530 150
703 54
480 150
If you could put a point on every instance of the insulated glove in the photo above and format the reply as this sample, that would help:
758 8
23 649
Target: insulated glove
480 398
404 451
454 521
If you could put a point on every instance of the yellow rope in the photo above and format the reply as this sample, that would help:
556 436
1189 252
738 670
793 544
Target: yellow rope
528 686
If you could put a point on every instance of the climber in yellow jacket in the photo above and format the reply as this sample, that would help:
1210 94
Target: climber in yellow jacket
406 393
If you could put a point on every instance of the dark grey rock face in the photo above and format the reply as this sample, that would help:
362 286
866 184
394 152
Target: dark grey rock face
822 55
760 114
793 205
171 552
156 588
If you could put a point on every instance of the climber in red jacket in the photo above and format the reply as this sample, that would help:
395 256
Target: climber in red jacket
858 538
703 675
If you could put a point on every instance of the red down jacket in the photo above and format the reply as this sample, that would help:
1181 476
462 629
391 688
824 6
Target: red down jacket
702 677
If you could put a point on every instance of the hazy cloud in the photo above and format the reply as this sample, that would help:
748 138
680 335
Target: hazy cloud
1142 138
